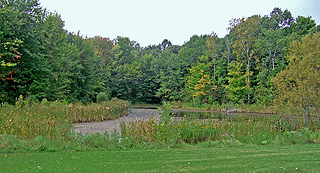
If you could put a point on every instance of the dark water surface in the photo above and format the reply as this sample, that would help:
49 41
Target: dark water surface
204 114
198 114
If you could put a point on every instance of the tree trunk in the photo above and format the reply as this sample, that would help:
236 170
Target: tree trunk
248 81
228 46
273 63
248 70
274 55
214 67
304 115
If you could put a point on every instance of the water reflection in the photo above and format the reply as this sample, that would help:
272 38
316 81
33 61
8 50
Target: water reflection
201 114
187 113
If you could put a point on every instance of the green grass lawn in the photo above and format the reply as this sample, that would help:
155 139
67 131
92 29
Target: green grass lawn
246 158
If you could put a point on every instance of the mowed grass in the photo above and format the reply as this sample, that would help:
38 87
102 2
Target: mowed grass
246 158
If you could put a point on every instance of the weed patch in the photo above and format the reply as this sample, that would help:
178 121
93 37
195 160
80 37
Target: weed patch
53 120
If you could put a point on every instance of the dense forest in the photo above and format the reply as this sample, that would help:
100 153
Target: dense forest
260 58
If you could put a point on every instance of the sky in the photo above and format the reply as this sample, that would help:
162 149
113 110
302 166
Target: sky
149 22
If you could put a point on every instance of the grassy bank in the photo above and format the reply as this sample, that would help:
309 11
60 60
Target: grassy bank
246 158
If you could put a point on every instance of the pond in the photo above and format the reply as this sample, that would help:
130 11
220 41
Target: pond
196 114
203 114
219 115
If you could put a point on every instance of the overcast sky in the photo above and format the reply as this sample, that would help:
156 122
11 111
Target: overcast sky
150 21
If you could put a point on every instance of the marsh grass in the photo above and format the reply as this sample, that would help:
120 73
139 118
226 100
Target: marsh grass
46 127
54 119
243 129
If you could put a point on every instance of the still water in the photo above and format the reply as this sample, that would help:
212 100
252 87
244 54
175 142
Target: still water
202 114
218 115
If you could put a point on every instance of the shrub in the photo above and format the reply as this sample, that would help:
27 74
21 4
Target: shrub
102 96
45 102
20 102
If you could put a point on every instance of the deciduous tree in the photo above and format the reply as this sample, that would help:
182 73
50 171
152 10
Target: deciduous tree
299 84
212 44
200 85
237 88
245 31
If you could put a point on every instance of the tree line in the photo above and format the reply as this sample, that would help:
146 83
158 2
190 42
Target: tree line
40 59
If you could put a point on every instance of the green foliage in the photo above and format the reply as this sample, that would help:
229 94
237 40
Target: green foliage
245 31
280 19
60 58
20 102
19 42
200 85
103 96
168 75
237 87
302 25
298 85
103 47
191 52
148 83
40 59
165 114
